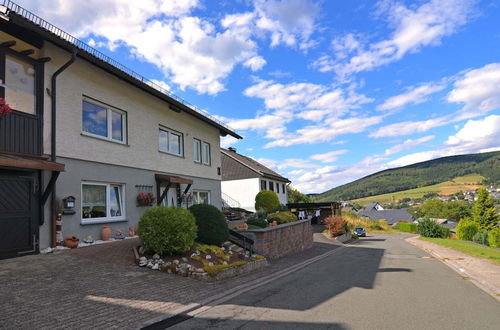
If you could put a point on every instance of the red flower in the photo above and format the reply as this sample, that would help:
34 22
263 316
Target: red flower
4 108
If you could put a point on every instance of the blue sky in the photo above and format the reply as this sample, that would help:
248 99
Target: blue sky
324 92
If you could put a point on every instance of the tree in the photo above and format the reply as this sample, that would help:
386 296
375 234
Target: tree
483 211
431 208
267 200
295 196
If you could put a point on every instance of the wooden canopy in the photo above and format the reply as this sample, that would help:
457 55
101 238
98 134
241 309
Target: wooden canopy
172 179
29 162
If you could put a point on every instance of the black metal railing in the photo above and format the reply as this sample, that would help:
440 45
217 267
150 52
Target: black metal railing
241 240
12 6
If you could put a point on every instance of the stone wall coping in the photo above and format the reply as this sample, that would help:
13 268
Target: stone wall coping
278 227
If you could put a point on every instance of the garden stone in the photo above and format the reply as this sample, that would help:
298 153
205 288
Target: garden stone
141 250
184 259
208 257
155 267
161 262
175 262
200 270
223 248
150 265
210 264
230 252
225 263
156 257
193 255
198 252
168 263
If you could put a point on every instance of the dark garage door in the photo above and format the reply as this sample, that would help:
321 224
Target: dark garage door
18 214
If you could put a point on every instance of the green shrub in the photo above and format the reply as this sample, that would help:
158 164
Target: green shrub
212 227
466 229
407 227
267 200
281 217
429 228
336 226
261 223
481 238
494 237
383 224
167 230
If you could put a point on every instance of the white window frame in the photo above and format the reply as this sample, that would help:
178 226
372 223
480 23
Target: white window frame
261 184
169 133
108 218
109 116
204 160
197 148
197 198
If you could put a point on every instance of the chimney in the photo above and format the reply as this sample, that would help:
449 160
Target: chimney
232 149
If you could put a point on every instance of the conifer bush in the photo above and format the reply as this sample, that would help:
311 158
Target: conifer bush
494 237
212 227
466 229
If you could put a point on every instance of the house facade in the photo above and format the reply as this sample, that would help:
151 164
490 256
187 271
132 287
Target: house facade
375 211
86 137
243 178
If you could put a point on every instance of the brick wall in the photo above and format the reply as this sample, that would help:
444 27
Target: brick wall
278 241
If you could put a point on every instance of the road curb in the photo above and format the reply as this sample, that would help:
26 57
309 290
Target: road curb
196 308
483 285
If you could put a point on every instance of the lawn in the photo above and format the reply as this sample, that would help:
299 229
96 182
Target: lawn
468 247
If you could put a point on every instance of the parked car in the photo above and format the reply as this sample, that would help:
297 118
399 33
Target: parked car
360 231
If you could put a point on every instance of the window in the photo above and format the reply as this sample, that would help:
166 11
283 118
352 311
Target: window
283 188
197 150
170 142
263 185
201 197
102 202
271 186
206 153
277 188
104 122
19 84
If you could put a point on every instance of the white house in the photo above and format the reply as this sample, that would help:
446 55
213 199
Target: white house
243 178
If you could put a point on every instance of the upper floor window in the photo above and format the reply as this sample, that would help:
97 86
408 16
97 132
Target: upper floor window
263 185
103 121
197 150
206 153
170 141
19 84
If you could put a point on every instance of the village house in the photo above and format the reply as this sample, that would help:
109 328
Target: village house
375 211
87 137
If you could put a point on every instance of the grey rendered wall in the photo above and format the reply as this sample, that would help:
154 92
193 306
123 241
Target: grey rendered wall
77 171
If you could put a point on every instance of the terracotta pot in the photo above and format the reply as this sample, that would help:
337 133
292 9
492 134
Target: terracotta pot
71 242
131 231
105 233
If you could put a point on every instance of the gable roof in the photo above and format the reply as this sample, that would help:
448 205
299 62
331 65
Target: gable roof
236 166
391 215
32 23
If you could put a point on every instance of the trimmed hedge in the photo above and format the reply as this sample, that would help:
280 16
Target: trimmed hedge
429 228
281 217
267 200
466 229
212 227
407 227
167 230
494 237
257 222
481 238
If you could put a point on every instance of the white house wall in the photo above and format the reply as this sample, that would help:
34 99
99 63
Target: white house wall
243 191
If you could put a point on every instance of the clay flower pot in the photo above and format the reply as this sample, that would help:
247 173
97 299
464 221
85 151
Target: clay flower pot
131 231
71 242
105 233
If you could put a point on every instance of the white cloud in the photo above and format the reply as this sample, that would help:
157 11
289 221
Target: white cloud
478 89
329 157
414 28
407 145
410 127
481 135
413 95
255 63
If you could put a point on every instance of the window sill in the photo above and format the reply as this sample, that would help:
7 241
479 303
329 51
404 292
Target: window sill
104 139
171 154
84 222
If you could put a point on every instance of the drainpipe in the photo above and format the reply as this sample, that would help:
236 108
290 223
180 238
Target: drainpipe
55 217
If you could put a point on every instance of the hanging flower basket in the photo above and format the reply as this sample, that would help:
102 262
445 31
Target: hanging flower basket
5 108
145 199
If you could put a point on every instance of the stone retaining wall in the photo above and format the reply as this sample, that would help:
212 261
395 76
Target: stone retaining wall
278 241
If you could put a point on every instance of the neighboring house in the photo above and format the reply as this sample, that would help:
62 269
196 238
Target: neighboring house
243 178
450 224
375 211
113 136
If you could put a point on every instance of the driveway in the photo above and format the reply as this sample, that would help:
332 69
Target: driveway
381 282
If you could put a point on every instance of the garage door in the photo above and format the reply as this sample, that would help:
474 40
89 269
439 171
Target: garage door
19 223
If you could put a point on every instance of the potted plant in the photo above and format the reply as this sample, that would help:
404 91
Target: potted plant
5 108
145 199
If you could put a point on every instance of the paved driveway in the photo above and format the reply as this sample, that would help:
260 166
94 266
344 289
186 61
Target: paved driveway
382 282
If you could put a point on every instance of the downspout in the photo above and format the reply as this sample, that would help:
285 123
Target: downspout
53 155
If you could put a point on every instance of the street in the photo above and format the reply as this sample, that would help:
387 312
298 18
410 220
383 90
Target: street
380 282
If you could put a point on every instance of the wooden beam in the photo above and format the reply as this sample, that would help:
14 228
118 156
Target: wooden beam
162 197
44 59
27 52
9 161
172 179
187 189
50 187
8 43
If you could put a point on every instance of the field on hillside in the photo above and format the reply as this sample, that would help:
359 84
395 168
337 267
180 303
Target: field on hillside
466 182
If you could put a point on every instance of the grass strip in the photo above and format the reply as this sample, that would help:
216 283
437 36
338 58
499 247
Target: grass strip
467 247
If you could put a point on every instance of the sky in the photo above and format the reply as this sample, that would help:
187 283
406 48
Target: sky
324 92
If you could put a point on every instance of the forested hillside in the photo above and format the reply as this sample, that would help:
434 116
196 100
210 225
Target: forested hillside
419 175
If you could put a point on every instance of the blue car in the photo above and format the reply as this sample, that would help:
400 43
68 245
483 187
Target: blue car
360 231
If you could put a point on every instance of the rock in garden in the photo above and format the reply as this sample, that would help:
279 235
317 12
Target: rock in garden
198 252
150 264
141 250
200 270
143 261
193 255
223 248
184 259
225 262
208 257
168 263
175 262
210 264
155 267
156 256
161 262
230 252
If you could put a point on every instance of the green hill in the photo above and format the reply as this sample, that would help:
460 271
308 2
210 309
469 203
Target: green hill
419 175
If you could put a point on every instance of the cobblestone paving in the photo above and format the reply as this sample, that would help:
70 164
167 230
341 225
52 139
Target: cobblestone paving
99 287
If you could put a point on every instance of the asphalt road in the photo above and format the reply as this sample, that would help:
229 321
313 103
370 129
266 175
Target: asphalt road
381 282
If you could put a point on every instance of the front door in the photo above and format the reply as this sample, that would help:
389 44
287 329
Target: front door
19 223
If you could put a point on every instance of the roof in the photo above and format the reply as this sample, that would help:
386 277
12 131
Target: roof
45 30
390 215
240 167
31 162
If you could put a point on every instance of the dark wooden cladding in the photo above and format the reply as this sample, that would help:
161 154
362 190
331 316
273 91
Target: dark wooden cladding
21 133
